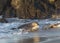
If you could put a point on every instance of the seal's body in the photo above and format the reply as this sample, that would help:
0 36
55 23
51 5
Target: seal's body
54 26
29 27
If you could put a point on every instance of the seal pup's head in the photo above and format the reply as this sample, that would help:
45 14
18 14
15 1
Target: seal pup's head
35 26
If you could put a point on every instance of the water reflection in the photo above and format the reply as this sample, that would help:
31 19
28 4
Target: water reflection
35 39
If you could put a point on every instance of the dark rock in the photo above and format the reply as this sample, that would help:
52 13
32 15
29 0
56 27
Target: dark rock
3 21
28 9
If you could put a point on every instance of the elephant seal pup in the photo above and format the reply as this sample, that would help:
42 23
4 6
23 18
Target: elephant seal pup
54 26
30 27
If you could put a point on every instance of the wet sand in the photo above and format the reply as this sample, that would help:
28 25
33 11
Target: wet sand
32 40
53 41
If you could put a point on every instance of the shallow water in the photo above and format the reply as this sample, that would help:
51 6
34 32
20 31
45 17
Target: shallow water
14 36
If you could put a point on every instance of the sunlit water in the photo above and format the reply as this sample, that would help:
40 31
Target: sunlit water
15 36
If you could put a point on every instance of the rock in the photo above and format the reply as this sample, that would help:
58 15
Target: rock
29 9
3 20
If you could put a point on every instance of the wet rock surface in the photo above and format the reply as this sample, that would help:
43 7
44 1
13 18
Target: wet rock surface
40 9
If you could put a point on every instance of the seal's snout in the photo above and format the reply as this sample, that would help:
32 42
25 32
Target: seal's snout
35 26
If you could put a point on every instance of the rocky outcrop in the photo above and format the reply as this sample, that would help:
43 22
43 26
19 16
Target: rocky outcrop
34 9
